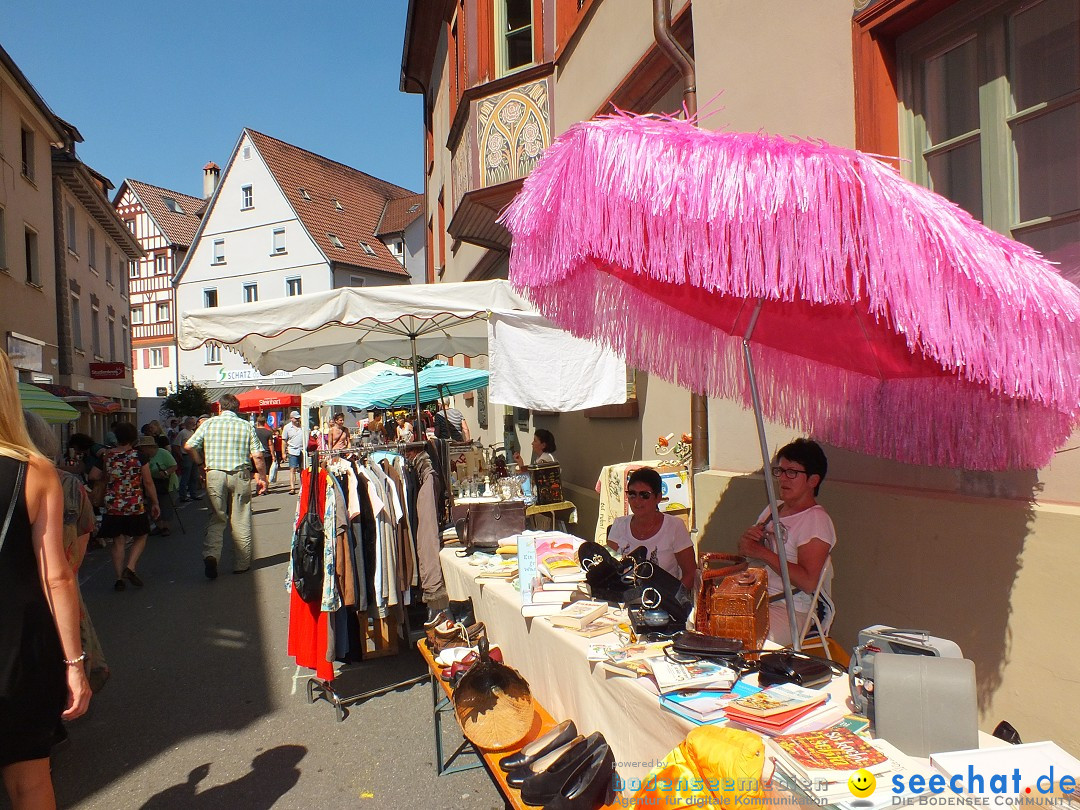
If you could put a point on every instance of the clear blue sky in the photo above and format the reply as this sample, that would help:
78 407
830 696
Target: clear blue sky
159 88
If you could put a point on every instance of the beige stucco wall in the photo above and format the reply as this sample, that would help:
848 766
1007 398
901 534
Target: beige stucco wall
25 308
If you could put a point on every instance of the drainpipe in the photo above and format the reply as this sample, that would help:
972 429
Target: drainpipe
665 40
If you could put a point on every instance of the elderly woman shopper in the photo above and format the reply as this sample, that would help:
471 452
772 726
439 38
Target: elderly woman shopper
128 488
41 658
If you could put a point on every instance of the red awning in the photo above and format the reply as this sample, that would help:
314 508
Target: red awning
262 399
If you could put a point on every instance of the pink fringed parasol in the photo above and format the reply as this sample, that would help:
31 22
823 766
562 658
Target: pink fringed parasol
889 321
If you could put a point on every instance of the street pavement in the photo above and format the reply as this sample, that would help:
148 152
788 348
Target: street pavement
205 710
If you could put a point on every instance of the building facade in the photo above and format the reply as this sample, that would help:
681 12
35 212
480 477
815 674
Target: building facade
28 130
283 222
93 248
979 100
164 222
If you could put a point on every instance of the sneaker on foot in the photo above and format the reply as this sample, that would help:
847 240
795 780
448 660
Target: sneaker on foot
132 577
210 567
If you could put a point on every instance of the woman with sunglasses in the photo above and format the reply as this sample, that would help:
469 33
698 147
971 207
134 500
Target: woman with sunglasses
664 536
799 469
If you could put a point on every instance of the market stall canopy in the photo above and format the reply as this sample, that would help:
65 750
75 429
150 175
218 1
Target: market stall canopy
73 396
262 399
48 406
328 393
357 324
884 318
436 380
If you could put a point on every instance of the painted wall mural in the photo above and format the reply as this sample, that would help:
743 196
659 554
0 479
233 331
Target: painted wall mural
512 130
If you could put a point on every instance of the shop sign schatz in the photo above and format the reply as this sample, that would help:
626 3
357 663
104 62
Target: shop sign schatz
245 375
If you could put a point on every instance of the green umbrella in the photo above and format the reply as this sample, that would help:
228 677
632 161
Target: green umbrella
50 408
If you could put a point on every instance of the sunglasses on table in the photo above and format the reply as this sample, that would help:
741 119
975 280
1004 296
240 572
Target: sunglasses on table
787 472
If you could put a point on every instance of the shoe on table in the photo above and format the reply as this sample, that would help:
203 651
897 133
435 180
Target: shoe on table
210 567
133 578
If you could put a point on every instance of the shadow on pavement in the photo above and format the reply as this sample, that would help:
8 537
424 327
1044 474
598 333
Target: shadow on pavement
273 774
270 561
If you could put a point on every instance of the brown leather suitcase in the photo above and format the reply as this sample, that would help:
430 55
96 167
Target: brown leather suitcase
735 605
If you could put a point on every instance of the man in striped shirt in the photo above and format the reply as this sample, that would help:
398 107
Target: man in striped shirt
227 445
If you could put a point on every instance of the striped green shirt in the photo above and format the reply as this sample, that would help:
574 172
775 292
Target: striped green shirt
229 442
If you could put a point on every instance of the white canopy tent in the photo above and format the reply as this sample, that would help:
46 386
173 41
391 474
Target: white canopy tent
366 323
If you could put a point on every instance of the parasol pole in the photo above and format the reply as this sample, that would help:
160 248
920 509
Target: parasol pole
770 488
418 425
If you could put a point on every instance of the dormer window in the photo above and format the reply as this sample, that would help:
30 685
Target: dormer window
368 249
338 205
414 208
172 205
335 241
304 194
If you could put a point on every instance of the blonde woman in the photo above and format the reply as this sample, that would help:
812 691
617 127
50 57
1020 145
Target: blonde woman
42 679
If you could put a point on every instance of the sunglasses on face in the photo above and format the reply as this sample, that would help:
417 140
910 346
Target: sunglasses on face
789 473
644 495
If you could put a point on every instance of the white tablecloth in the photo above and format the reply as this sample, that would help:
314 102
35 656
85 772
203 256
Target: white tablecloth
626 710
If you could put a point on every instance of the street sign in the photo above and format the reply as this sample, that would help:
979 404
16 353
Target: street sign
107 371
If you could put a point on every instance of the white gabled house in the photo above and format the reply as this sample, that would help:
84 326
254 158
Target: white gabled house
284 221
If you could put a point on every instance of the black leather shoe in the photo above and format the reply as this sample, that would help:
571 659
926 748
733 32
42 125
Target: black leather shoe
590 785
575 749
541 788
556 737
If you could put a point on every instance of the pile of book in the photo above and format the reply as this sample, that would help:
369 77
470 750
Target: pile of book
703 706
819 763
785 709
558 579
630 660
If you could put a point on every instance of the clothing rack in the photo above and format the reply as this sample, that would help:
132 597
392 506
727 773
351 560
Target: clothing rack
384 633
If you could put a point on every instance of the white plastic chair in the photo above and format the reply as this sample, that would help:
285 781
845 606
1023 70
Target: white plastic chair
815 629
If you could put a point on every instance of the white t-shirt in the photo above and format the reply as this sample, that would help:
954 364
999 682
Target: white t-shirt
800 529
661 547
295 439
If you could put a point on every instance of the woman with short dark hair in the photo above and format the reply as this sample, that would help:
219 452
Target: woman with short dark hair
543 450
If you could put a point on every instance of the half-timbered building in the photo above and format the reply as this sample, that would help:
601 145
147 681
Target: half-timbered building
164 222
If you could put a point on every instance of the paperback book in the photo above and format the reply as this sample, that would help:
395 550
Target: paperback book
597 627
578 614
779 699
671 676
828 756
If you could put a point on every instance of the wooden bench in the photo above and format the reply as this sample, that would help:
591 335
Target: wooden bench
442 703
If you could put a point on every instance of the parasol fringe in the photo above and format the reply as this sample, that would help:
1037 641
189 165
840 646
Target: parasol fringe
753 215
940 421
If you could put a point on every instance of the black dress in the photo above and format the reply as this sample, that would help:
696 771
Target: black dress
33 683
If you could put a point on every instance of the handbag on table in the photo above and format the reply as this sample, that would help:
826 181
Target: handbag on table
733 601
486 525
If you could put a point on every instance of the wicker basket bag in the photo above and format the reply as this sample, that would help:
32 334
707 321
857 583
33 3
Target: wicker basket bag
733 601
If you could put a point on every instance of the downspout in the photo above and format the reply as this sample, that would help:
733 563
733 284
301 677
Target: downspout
665 40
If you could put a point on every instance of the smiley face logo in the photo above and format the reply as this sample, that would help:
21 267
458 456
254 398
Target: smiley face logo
862 783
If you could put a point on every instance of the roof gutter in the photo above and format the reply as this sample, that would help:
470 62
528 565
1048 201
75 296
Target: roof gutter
665 40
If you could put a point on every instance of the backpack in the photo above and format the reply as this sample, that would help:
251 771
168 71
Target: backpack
307 550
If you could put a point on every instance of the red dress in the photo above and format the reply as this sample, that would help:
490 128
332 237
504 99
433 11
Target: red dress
308 624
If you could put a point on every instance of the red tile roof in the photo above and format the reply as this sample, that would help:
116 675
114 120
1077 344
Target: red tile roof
344 202
399 214
179 228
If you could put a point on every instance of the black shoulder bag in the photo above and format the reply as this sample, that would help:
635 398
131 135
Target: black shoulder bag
307 550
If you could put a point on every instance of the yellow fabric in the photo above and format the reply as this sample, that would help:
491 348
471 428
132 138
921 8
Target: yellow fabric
713 767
